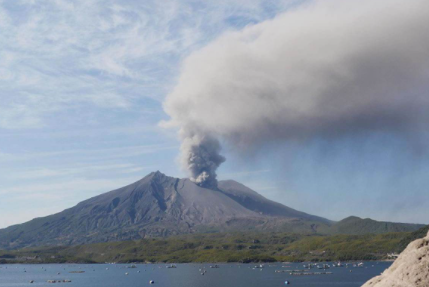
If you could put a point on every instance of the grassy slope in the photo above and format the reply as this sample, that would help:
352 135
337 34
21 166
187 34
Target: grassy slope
413 236
359 226
223 247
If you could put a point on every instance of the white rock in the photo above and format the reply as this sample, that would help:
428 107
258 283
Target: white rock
411 269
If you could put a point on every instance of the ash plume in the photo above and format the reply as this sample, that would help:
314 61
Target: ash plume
327 69
201 157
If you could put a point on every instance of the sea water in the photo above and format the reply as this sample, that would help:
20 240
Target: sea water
185 275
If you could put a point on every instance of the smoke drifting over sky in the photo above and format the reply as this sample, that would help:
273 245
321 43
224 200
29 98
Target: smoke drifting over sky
326 69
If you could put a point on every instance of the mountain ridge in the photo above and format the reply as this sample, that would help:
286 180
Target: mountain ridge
356 225
161 206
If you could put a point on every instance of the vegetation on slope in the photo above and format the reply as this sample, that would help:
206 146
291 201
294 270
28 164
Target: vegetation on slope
222 247
358 226
413 236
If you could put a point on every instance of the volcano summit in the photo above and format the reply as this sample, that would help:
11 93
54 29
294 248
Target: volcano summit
159 205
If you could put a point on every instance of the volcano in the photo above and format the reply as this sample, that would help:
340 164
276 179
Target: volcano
160 206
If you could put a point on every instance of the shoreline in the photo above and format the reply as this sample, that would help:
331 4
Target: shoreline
177 263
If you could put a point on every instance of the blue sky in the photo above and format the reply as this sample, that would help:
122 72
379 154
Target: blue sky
81 91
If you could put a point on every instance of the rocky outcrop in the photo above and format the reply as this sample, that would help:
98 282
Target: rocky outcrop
411 269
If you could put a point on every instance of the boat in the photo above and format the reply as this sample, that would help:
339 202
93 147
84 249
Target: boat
171 266
215 266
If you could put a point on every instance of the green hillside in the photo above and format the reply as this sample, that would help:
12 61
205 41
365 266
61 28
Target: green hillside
413 236
222 247
356 225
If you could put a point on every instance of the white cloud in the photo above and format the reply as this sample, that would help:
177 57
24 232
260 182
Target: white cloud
107 54
72 188
88 154
83 170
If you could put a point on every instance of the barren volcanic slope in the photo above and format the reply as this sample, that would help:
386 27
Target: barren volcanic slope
159 205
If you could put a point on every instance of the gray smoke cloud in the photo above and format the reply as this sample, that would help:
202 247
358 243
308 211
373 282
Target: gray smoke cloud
201 157
328 68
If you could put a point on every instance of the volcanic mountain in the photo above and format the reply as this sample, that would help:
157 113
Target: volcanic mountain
158 205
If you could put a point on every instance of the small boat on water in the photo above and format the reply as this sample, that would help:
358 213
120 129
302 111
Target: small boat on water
172 266
215 266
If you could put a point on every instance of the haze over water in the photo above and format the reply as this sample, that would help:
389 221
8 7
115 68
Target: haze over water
185 275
